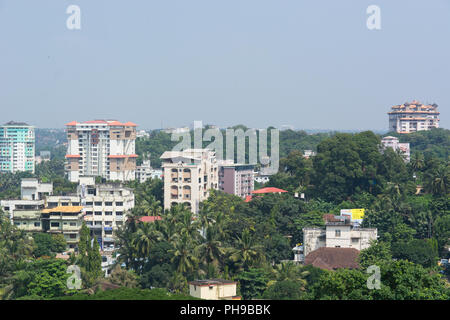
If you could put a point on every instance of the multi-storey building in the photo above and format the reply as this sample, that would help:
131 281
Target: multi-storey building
395 144
105 206
145 172
338 233
413 117
25 212
101 148
189 175
17 147
33 189
237 179
65 220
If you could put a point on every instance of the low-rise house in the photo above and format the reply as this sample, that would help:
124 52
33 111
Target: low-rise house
214 289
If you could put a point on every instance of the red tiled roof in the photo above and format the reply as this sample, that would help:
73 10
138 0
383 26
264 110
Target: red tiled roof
248 198
130 124
268 190
333 258
150 218
73 123
70 156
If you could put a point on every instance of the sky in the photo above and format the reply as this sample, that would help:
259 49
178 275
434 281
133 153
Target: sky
310 64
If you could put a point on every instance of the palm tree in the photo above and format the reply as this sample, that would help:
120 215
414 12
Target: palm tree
247 253
144 238
183 255
438 182
417 161
210 252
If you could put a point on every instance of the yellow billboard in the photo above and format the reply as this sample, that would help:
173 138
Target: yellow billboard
356 214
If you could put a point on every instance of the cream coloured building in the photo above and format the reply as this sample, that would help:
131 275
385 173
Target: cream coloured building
215 289
189 176
337 234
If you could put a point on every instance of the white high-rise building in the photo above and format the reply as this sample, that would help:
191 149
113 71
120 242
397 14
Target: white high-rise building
101 148
17 144
189 175
413 117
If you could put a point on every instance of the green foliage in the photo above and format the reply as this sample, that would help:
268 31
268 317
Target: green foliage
378 252
48 245
252 283
44 278
89 259
129 294
434 142
418 251
284 290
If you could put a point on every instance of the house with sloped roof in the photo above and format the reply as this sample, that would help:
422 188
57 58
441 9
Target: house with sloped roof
333 258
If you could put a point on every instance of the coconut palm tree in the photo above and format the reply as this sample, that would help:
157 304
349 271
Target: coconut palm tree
438 181
247 253
183 255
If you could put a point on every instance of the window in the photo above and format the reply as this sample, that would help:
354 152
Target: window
99 204
98 213
108 204
119 204
73 224
337 233
37 224
54 224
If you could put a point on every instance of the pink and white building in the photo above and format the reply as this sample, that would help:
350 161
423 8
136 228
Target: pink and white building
104 148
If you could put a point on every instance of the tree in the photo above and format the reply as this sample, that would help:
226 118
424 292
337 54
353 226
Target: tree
284 290
247 254
377 253
44 278
252 283
89 259
123 278
417 251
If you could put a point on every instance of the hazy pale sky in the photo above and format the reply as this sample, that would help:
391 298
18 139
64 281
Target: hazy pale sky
305 63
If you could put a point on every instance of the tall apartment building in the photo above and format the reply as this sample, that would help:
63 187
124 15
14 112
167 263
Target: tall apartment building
338 233
104 148
237 179
189 175
17 144
413 117
394 143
